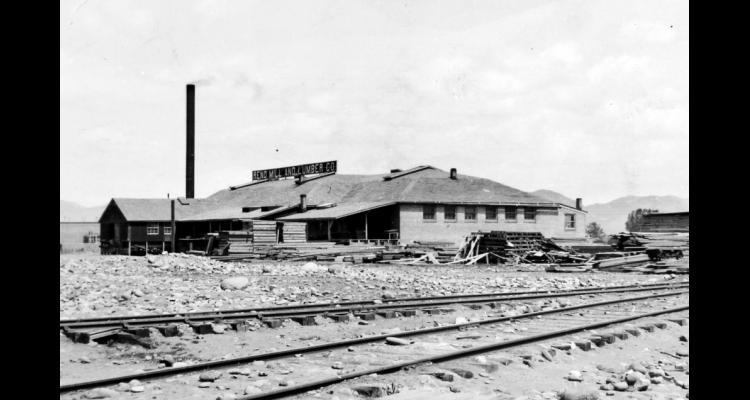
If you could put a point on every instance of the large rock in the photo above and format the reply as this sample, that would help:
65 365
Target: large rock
235 283
209 376
394 341
312 267
575 376
100 393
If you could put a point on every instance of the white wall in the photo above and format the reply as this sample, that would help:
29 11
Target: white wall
550 222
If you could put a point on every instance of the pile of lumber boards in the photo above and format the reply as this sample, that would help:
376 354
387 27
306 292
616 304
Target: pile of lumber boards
264 232
553 256
294 232
236 241
622 263
582 245
503 247
310 251
650 240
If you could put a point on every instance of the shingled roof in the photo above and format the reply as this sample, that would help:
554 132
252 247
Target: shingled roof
424 184
427 185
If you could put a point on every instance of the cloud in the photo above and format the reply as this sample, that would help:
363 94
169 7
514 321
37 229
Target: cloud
554 95
649 32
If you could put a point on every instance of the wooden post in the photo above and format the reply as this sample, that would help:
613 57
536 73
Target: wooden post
173 247
128 247
330 222
162 246
366 236
147 247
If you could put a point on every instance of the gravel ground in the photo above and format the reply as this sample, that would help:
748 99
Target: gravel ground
119 285
114 285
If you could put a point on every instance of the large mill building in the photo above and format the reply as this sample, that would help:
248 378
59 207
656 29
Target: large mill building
419 204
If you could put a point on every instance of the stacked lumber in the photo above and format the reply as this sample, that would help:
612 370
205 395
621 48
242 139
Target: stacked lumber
264 233
311 251
650 240
668 222
295 232
620 264
439 252
582 245
502 246
237 241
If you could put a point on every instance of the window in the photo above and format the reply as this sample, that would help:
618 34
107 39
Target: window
570 221
91 238
167 230
152 229
529 214
428 213
510 213
450 213
491 213
470 213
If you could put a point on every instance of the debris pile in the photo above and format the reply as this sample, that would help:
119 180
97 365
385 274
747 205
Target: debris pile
514 247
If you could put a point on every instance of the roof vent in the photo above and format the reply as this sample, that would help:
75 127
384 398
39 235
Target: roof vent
393 171
454 173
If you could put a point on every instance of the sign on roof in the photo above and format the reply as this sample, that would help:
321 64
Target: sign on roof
304 169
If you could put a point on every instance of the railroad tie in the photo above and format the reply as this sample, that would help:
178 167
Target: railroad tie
338 317
305 320
407 313
272 322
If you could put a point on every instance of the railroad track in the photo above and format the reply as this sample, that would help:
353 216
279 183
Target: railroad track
550 324
305 313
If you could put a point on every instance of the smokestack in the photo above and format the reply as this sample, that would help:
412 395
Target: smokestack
190 144
454 173
302 203
579 203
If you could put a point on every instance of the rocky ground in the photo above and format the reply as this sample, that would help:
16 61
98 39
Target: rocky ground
119 285
114 285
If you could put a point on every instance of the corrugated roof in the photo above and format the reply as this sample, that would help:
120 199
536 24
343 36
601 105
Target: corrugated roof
339 211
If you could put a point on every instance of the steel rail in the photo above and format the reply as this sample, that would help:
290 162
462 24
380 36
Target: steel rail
338 310
338 344
349 303
451 356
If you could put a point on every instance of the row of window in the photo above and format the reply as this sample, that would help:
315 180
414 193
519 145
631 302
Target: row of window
470 213
153 229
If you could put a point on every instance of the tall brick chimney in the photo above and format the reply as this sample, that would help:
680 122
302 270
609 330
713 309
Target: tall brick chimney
190 144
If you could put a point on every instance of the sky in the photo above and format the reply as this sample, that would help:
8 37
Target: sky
586 98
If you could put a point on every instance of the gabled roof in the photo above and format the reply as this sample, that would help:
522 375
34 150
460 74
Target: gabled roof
417 185
143 209
423 184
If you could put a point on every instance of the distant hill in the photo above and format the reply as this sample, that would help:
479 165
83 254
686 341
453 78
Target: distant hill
72 212
554 197
613 215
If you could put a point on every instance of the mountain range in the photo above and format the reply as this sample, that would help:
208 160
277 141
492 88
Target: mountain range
73 212
611 216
